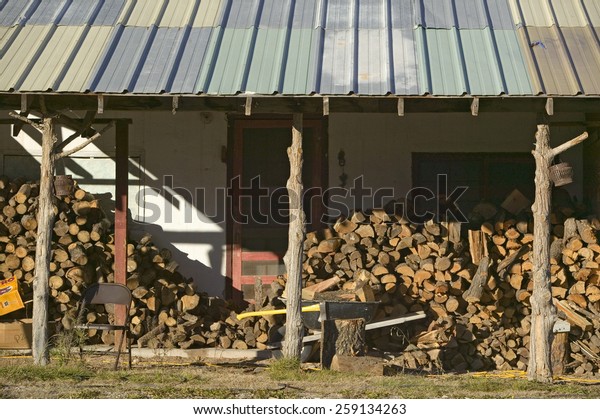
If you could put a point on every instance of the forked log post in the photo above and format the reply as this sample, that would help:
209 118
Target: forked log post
543 311
293 257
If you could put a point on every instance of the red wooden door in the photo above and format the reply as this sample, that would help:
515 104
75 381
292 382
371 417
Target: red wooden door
258 206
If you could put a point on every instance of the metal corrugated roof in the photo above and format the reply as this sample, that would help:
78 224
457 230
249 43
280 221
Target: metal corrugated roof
96 12
210 14
193 60
48 12
79 73
545 13
301 67
21 55
463 14
179 13
301 47
592 10
14 12
53 60
567 61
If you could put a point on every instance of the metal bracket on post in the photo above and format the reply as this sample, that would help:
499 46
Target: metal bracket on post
175 104
400 106
475 106
325 106
248 106
100 104
550 106
24 104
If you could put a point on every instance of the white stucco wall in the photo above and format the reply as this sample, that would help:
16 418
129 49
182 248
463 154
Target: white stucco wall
171 155
379 147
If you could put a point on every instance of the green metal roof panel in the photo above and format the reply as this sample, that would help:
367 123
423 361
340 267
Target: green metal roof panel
514 73
471 61
481 62
463 14
301 76
267 61
230 71
440 65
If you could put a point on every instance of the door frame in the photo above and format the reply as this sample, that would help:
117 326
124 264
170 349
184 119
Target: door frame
234 254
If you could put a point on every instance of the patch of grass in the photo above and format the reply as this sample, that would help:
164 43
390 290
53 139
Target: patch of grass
28 373
285 369
63 343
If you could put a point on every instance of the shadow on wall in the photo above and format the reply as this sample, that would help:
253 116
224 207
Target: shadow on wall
206 278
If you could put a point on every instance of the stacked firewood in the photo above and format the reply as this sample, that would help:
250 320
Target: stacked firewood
474 285
167 311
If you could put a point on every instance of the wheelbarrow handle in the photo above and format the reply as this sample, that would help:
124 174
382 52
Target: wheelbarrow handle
314 307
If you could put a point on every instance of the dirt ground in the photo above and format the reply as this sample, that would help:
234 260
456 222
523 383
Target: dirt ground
173 378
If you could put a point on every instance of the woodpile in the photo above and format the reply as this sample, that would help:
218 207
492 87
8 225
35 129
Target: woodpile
473 281
166 312
474 285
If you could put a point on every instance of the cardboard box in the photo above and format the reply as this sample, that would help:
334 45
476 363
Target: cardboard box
15 334
516 202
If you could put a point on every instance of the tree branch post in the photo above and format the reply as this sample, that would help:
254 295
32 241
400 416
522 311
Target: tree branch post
43 249
293 258
543 311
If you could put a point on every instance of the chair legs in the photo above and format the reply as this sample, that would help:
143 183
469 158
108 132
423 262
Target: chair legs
119 347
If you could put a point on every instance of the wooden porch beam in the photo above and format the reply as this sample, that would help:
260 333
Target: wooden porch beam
309 104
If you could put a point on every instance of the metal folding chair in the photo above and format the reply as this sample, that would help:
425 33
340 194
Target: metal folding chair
108 293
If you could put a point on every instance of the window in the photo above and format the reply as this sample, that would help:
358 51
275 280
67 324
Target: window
489 177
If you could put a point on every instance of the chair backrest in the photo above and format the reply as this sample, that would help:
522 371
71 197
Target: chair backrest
107 293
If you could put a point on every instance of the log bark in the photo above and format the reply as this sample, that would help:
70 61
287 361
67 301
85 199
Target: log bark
45 222
342 337
543 311
293 258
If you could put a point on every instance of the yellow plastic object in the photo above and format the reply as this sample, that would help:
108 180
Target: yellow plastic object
10 299
314 307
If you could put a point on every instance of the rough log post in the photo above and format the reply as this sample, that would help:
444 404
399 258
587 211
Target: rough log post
293 257
51 153
543 311
45 221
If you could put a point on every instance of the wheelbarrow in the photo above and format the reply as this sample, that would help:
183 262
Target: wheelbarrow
314 312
